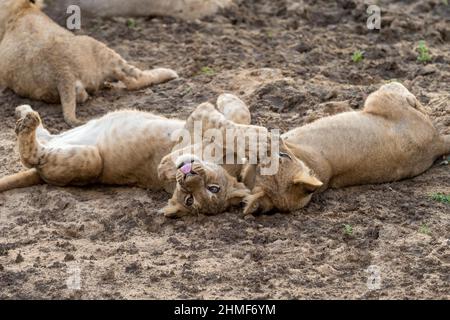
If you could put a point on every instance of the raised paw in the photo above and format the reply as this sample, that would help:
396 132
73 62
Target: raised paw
226 99
28 123
22 110
233 108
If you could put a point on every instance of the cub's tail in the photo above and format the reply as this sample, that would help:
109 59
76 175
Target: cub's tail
20 180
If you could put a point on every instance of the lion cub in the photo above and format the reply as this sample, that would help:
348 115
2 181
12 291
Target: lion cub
391 139
43 61
126 148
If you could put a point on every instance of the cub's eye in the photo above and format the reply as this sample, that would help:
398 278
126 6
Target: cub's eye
285 155
189 200
213 189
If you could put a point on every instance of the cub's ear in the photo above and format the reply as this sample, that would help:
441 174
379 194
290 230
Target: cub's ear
39 3
413 102
173 210
237 193
309 181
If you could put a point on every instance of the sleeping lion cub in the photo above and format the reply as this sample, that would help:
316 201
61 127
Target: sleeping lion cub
43 61
390 139
126 148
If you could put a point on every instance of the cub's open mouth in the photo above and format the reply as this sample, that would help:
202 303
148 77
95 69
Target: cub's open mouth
186 169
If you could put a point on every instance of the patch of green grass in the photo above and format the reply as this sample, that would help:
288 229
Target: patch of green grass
445 2
357 56
348 230
440 197
208 71
131 23
424 52
424 229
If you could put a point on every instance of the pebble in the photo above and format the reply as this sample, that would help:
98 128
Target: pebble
19 258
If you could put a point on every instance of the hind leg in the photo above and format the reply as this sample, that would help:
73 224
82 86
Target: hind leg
233 108
132 77
42 134
67 89
71 165
30 148
135 79
60 165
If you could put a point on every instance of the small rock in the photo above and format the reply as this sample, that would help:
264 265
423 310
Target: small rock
1 267
19 259
238 255
249 217
330 95
109 276
133 268
69 257
303 47
428 69
57 264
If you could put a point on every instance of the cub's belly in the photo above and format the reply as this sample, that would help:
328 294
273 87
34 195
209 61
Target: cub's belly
131 157
128 166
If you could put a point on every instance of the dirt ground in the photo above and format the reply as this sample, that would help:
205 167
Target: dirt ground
299 53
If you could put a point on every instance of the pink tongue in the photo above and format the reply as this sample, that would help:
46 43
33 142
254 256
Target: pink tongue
186 168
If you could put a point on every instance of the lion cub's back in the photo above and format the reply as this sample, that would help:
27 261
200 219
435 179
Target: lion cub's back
365 148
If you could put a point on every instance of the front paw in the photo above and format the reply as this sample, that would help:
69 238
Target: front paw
251 204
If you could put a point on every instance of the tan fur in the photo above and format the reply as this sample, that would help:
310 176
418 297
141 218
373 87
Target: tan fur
193 194
204 174
20 180
391 139
228 105
185 9
121 148
43 61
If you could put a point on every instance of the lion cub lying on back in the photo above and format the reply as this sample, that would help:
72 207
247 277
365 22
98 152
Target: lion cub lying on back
126 148
391 139
42 61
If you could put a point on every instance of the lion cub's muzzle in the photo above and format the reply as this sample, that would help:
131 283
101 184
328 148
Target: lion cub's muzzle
190 174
